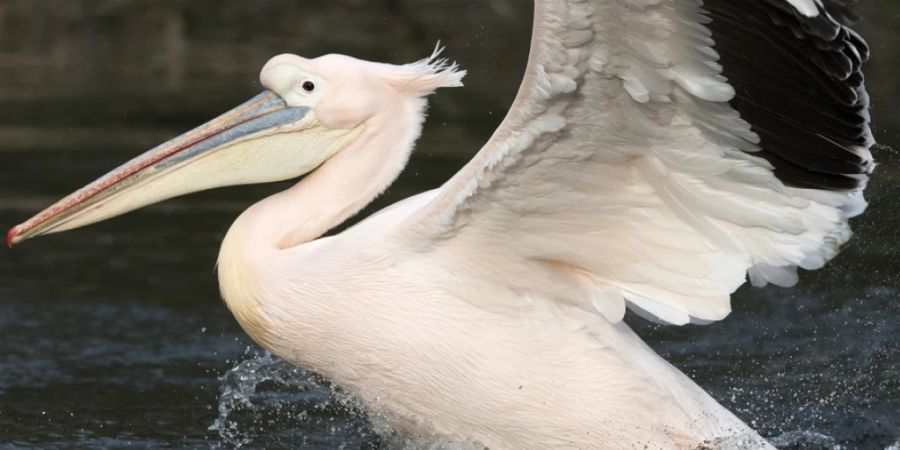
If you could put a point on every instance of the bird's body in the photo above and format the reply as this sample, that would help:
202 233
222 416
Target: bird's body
439 351
419 347
645 164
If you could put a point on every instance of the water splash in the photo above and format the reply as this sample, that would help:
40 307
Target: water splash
264 401
810 440
267 402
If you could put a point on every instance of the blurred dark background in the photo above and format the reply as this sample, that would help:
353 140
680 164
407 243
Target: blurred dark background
114 335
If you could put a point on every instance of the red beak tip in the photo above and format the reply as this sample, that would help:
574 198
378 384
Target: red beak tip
11 235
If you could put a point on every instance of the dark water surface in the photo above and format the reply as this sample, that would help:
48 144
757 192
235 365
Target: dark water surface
114 336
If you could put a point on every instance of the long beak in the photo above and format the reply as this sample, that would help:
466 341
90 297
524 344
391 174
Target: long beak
249 144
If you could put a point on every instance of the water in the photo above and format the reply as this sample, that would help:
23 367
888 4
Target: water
114 336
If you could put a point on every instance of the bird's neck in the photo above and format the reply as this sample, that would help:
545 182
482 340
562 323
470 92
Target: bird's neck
334 192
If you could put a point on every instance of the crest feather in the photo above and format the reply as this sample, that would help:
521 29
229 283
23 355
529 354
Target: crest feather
423 77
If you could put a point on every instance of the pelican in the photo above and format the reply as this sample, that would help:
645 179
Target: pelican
659 154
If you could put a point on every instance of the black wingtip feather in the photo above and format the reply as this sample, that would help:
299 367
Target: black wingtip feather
799 85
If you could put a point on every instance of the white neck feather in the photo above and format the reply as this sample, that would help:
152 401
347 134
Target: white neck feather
336 191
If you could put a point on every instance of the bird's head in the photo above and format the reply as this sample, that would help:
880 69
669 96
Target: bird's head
311 110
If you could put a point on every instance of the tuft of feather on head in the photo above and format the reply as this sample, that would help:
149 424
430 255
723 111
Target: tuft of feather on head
423 77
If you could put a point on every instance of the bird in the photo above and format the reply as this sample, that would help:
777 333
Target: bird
659 154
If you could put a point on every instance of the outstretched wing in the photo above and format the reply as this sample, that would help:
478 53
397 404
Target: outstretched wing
658 151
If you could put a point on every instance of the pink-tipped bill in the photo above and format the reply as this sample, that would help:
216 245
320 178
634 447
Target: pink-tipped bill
131 185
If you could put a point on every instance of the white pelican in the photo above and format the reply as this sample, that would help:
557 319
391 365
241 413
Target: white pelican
658 152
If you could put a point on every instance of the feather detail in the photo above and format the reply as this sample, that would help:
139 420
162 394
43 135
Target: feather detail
425 76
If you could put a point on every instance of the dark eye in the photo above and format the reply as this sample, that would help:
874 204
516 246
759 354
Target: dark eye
309 86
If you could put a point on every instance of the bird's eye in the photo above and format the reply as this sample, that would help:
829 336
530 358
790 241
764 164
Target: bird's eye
308 86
